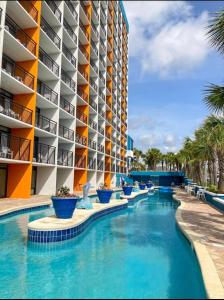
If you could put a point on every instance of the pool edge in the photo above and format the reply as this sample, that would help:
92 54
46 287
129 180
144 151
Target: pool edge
213 286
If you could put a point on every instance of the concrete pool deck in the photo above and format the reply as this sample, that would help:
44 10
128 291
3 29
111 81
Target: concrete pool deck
203 225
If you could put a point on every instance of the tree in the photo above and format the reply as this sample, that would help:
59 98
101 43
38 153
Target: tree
215 31
152 157
214 98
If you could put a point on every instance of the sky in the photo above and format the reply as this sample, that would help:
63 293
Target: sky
170 64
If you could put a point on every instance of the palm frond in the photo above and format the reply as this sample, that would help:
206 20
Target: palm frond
214 97
216 31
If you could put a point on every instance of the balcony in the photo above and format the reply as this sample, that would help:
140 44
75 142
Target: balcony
100 148
84 30
67 80
49 63
92 144
82 140
93 84
43 153
66 133
67 53
83 72
91 163
81 116
94 66
93 124
14 110
108 151
45 124
30 8
84 51
100 165
80 161
22 77
50 32
55 9
101 112
70 31
85 10
82 94
13 147
113 168
65 158
72 9
67 106
101 130
20 35
94 29
101 94
47 93
93 104
103 45
94 47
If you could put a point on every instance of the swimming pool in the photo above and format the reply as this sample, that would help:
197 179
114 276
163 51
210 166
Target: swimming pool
137 253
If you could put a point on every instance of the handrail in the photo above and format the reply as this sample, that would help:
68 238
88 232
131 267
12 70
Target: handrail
67 79
15 110
30 8
44 153
92 144
47 92
91 163
48 61
18 33
81 139
84 29
82 94
93 124
81 116
69 55
66 133
93 104
84 52
67 106
50 32
70 31
55 9
45 123
65 158
72 9
10 67
80 161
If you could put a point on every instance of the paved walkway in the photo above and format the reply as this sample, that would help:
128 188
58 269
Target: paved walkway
204 226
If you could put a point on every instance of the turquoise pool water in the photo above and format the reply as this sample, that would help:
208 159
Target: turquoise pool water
138 253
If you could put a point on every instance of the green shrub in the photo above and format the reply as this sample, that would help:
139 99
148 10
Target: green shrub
212 188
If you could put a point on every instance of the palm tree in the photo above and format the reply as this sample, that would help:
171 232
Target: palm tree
214 98
152 158
215 31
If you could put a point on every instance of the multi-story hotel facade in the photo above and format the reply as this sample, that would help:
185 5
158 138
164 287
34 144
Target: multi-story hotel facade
63 97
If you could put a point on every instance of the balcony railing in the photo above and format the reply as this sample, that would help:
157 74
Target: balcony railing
44 153
50 32
83 28
30 8
45 124
85 9
82 94
93 104
70 31
14 147
100 148
65 158
103 45
113 168
47 92
14 110
101 130
92 144
81 139
95 10
94 66
72 9
93 124
20 35
10 67
69 55
67 106
101 113
102 28
55 9
67 79
84 52
93 84
48 61
81 116
66 133
95 29
94 47
100 165
80 161
91 163
83 72
101 94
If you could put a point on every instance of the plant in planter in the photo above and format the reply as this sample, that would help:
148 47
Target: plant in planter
64 203
104 193
127 189
142 185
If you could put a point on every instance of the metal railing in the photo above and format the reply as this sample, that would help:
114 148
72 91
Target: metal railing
92 144
95 29
65 158
93 124
91 163
10 67
93 104
43 153
20 34
84 30
94 66
55 9
94 47
69 55
67 79
66 133
81 116
84 9
103 45
84 51
101 112
47 92
93 84
83 72
100 165
70 31
81 139
72 9
14 147
45 123
30 8
100 148
67 106
14 110
80 161
101 130
101 94
50 32
82 94
48 61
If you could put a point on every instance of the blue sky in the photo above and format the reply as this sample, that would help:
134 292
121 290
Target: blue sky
170 63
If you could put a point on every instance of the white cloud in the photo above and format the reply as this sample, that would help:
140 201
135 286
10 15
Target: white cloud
166 37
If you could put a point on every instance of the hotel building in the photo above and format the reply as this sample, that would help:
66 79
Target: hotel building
63 96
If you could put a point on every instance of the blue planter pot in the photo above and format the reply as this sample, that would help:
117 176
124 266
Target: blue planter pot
64 207
104 195
149 185
142 186
127 190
